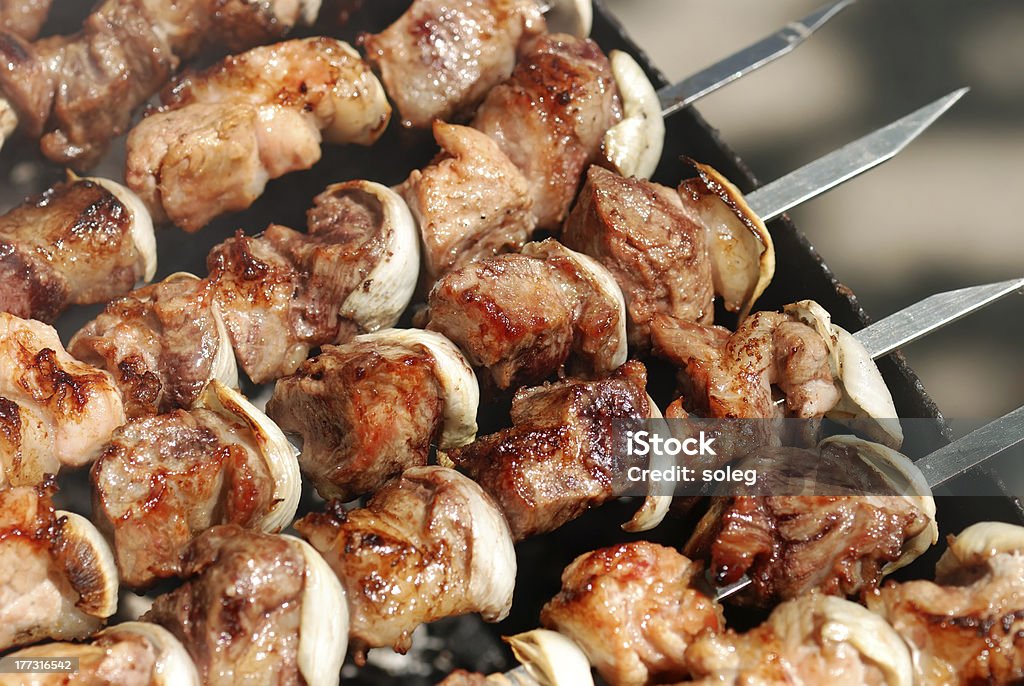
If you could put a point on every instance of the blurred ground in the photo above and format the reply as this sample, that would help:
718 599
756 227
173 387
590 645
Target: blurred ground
939 216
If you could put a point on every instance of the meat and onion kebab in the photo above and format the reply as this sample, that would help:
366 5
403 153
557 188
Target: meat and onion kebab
633 610
59 578
81 241
162 480
77 93
430 544
54 410
223 132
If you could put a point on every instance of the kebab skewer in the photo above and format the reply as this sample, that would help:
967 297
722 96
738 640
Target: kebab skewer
82 241
76 93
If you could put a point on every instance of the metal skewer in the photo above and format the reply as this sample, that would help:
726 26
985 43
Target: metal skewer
677 96
849 161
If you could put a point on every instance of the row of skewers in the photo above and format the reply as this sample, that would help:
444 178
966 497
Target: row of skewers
370 408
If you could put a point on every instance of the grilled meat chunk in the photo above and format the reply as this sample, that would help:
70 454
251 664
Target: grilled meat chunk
371 408
550 117
23 18
811 640
162 344
126 654
224 132
164 479
633 611
838 543
79 92
322 76
731 374
654 245
428 545
240 611
193 164
52 407
965 628
521 317
59 580
284 293
470 203
461 677
76 243
441 58
558 458
366 411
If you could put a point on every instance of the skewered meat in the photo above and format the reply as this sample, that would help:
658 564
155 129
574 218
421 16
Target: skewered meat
53 408
128 654
161 343
522 316
284 293
809 641
870 513
257 608
732 374
558 458
193 164
320 75
633 610
428 545
23 18
59 578
966 627
470 203
161 480
83 241
654 245
78 92
371 408
441 58
225 131
550 117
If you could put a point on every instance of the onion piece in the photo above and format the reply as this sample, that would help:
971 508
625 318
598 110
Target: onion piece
633 146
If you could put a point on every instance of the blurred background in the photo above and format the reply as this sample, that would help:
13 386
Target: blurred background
942 214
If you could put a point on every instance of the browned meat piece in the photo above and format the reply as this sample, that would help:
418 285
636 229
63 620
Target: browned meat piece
521 317
558 459
654 246
23 18
162 343
79 92
284 293
365 411
59 580
75 243
550 118
790 545
633 611
198 162
162 480
322 76
126 654
731 374
966 628
441 58
470 203
810 641
250 118
53 408
428 545
240 611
